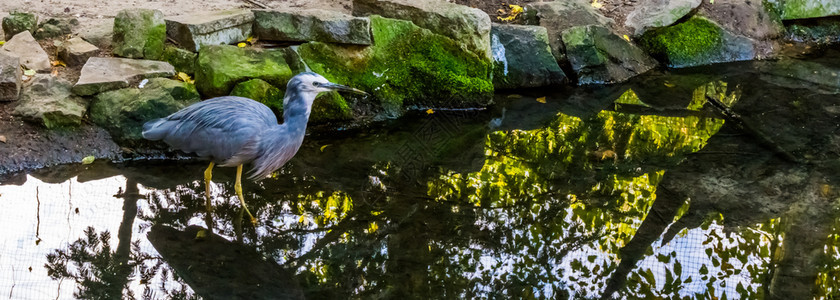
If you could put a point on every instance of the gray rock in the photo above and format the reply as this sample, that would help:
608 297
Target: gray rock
191 31
311 25
48 101
99 32
561 15
598 56
650 14
103 74
55 27
123 112
17 22
76 51
9 77
469 26
31 55
748 19
139 33
522 56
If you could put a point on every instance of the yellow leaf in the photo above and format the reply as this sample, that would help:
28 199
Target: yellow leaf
29 72
430 111
249 39
541 99
2 42
670 85
184 77
596 5
324 146
201 234
241 45
627 38
515 10
88 160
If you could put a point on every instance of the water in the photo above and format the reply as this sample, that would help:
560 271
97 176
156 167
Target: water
640 190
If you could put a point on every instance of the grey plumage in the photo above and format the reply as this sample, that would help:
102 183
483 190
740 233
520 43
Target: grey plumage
234 130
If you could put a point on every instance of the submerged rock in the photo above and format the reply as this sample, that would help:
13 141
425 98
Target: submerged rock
697 41
104 74
139 33
599 56
558 16
407 65
76 51
31 55
17 22
221 67
10 74
469 26
522 57
49 102
123 112
311 25
649 14
192 31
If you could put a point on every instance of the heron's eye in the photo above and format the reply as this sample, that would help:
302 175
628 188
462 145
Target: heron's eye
316 83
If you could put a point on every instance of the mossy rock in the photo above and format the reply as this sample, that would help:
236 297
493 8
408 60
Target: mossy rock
55 27
182 60
327 107
18 22
697 41
139 33
123 112
221 67
406 66
804 9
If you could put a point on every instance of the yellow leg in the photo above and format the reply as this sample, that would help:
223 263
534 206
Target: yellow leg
208 174
238 188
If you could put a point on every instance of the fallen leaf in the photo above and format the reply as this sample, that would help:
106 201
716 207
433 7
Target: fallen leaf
3 138
241 45
29 72
88 160
184 77
541 99
2 42
249 39
627 38
430 111
514 96
54 73
201 234
596 5
670 85
58 63
515 10
324 146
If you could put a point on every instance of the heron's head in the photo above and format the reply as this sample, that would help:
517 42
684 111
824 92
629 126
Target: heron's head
307 85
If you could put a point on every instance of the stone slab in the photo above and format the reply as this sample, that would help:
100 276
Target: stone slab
10 74
31 55
76 51
101 74
311 25
191 31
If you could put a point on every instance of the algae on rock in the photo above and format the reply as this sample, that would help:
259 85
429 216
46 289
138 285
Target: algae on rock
407 65
697 41
139 33
221 67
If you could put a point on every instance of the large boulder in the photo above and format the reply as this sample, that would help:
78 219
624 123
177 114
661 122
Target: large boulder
123 112
221 67
407 65
31 55
101 74
649 14
9 77
17 22
805 9
469 26
76 51
522 57
139 33
311 25
697 41
599 56
192 31
558 16
49 102
749 19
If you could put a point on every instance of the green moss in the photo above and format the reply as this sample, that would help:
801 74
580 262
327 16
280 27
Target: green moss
182 60
407 65
689 41
154 42
139 33
804 9
18 22
221 67
330 107
262 92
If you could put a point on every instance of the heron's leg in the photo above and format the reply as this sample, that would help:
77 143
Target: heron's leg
238 188
208 174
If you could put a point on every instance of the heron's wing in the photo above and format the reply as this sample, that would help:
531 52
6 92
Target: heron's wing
219 128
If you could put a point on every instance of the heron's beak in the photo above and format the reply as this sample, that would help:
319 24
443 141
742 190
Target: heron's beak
342 88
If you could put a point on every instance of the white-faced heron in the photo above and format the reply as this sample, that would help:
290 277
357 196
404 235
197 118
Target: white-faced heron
232 131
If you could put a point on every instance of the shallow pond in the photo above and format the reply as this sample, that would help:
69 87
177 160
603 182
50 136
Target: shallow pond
647 189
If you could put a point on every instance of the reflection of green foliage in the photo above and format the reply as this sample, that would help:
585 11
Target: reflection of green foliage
828 278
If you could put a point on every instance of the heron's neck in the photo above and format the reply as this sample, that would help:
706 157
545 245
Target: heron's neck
295 116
